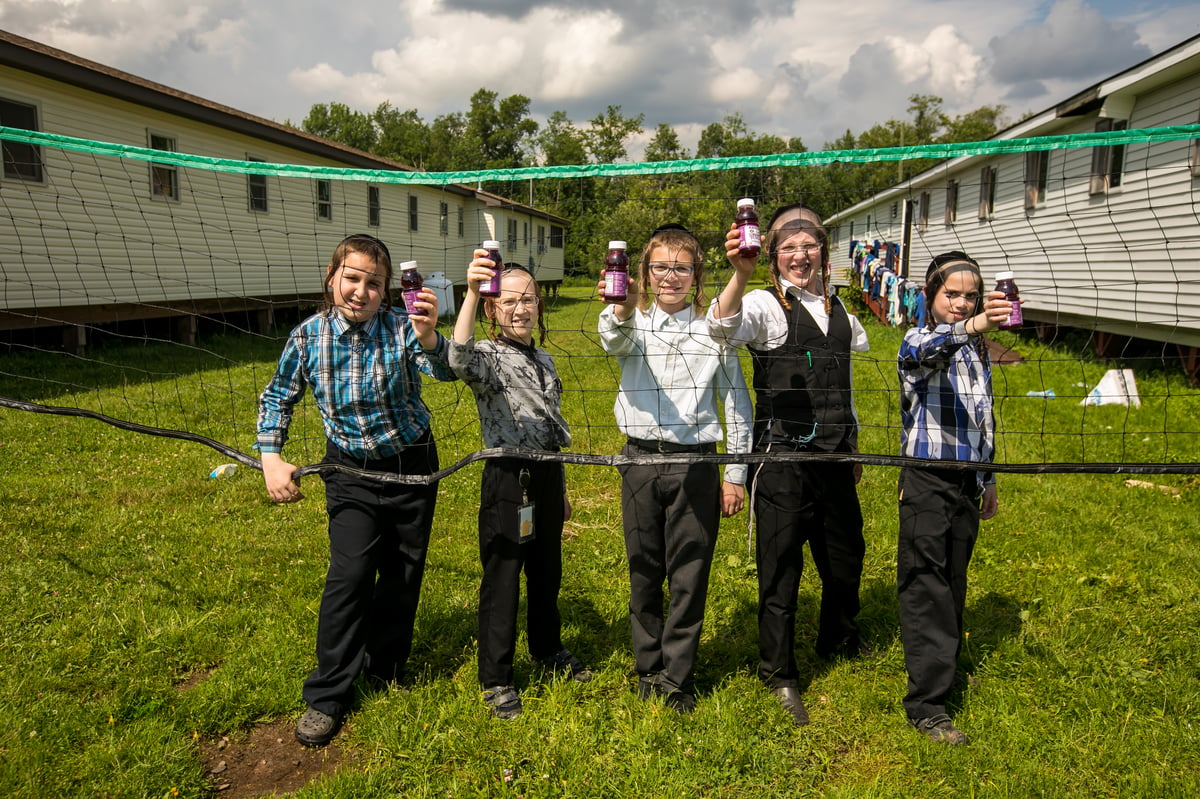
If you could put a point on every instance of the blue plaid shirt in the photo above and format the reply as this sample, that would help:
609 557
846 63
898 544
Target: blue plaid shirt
945 397
365 379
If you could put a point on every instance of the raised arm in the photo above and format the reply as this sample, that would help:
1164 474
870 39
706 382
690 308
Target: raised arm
479 270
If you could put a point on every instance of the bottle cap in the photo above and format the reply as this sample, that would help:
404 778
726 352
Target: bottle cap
616 245
1004 276
746 201
407 265
491 244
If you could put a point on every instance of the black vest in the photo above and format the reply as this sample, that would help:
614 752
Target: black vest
803 386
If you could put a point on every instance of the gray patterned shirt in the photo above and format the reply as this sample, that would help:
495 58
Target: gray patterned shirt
517 391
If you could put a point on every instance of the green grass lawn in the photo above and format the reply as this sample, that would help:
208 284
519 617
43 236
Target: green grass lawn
146 605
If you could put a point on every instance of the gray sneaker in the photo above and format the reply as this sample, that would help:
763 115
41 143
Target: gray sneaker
316 728
941 729
503 701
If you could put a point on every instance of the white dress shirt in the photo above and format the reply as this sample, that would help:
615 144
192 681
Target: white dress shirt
762 324
672 375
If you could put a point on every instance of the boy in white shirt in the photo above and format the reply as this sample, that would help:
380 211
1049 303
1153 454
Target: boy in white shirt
672 375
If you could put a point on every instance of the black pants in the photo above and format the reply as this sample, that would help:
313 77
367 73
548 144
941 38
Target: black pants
939 522
504 557
794 503
671 514
378 539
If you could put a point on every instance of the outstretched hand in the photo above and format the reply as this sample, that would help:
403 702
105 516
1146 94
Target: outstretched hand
623 309
425 324
742 263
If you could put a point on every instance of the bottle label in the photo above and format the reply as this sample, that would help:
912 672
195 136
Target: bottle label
491 288
616 284
1015 318
410 298
750 237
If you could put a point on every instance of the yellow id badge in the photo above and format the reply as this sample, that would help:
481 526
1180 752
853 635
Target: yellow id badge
525 521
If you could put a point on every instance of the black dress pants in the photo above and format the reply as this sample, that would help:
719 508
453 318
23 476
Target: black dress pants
671 514
504 557
796 502
378 539
939 523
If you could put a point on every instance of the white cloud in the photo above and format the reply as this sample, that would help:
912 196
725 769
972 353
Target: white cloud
791 69
548 53
229 40
113 33
581 54
1074 42
735 86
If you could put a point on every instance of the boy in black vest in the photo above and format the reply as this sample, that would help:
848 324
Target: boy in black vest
800 340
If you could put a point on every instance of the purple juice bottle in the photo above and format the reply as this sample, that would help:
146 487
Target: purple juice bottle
491 288
616 273
749 234
410 287
1005 283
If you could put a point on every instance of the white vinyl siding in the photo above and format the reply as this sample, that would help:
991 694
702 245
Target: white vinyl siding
105 225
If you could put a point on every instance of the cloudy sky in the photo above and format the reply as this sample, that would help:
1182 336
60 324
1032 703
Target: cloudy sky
789 67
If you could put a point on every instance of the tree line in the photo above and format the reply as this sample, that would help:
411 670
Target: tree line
499 133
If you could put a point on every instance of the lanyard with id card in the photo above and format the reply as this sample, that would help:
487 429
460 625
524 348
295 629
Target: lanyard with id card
525 511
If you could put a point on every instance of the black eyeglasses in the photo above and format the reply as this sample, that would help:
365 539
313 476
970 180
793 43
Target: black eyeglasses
662 270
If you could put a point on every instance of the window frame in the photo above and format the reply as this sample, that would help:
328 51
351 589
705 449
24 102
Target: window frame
950 213
462 222
414 213
259 201
1195 155
511 242
989 176
374 206
923 204
557 234
1108 162
33 168
1037 176
324 204
160 173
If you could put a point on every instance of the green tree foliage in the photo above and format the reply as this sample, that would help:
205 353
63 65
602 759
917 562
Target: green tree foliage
498 133
338 122
403 136
560 142
665 145
928 124
605 139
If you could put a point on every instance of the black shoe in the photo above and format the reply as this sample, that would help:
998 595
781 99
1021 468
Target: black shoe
941 729
316 728
848 649
681 702
649 686
503 701
565 664
789 697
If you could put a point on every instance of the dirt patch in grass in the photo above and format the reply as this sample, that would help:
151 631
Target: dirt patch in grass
268 760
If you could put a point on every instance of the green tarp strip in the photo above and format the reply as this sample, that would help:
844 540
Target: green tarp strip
814 158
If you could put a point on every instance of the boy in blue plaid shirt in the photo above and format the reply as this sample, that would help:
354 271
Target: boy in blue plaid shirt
363 361
946 410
